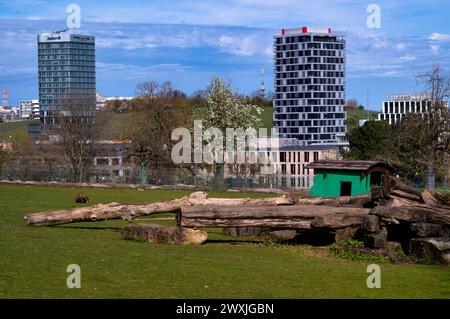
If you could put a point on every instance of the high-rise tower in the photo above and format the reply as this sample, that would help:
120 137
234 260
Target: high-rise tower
66 75
309 83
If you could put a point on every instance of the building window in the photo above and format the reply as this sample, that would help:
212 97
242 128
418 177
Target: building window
292 182
293 169
306 155
283 157
102 162
283 168
316 156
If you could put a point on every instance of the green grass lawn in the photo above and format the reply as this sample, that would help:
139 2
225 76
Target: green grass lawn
33 260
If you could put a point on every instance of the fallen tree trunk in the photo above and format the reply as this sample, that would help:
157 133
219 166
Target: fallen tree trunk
396 183
132 211
403 194
288 217
156 234
358 200
417 213
103 212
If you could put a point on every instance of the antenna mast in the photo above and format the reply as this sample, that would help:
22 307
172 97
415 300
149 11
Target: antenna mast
263 89
5 97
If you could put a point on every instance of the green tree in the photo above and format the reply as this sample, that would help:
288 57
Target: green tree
372 141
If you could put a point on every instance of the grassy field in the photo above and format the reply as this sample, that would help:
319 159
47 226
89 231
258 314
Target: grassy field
33 260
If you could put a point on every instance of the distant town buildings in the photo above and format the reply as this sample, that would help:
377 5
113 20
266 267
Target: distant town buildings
29 109
309 83
67 84
102 101
8 113
399 105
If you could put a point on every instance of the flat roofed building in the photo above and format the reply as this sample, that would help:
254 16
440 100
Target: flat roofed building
29 109
309 98
400 105
66 64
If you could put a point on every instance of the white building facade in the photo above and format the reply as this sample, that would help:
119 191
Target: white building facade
309 97
400 105
29 109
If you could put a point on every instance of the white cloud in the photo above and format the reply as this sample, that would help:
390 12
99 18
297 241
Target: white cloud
245 46
408 57
434 47
400 46
35 18
439 37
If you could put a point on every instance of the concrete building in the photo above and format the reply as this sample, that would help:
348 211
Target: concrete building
112 162
284 162
399 105
9 113
66 75
309 97
29 109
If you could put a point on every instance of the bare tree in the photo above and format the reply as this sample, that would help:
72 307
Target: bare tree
429 135
74 135
3 157
158 111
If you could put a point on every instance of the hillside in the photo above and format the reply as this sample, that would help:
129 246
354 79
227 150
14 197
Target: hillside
8 129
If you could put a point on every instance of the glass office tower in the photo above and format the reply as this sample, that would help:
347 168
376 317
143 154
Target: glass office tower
66 75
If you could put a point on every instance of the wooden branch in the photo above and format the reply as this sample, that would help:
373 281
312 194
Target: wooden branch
103 212
400 193
417 213
397 184
286 217
132 211
358 200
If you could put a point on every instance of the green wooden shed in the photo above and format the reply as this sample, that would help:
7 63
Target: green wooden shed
347 178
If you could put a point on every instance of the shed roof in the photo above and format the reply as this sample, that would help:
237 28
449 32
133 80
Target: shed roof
350 165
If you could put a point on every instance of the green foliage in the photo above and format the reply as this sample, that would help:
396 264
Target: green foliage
370 141
9 129
348 242
403 257
354 114
343 249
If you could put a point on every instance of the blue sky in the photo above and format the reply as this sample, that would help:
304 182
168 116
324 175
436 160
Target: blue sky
188 42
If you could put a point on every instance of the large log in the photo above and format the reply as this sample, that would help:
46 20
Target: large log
156 234
358 200
285 217
396 183
418 213
103 212
132 211
403 194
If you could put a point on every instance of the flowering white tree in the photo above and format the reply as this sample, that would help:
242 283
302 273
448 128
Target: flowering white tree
224 108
